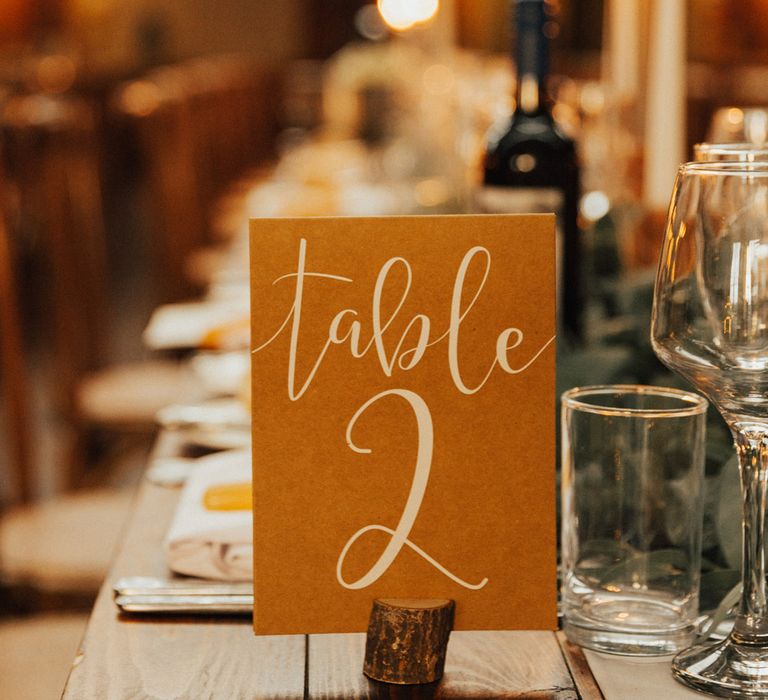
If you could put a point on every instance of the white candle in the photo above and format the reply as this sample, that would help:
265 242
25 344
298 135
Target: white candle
445 25
665 102
622 52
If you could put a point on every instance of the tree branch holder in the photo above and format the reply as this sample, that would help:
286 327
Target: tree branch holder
407 639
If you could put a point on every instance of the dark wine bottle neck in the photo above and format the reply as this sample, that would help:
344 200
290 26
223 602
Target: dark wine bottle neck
531 56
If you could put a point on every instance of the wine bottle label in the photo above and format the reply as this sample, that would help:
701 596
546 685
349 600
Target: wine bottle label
490 199
519 200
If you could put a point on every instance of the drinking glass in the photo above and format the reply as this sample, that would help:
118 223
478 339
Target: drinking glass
739 125
710 324
633 469
712 152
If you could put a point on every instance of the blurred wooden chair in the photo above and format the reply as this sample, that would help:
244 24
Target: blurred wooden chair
54 553
13 377
49 156
52 153
60 547
36 652
202 125
159 108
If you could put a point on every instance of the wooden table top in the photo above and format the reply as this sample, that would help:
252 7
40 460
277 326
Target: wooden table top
164 658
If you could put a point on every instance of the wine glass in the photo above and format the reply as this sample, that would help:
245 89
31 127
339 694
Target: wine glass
710 324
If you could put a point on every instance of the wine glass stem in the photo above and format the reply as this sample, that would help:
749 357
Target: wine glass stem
751 627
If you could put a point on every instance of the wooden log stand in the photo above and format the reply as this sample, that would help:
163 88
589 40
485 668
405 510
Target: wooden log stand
407 640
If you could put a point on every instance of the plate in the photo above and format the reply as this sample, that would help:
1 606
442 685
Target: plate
222 424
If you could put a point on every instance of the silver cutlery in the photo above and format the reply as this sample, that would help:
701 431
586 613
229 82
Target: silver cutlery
141 594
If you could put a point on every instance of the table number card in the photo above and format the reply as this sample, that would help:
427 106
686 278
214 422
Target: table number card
403 419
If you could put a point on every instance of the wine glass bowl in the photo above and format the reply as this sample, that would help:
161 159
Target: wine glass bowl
710 324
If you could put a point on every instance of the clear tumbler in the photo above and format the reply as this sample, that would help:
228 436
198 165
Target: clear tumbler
632 491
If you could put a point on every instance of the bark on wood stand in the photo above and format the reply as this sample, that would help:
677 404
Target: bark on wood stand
407 639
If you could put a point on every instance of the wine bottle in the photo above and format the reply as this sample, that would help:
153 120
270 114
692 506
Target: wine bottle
532 167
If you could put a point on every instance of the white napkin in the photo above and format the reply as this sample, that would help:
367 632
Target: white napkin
212 544
222 373
186 325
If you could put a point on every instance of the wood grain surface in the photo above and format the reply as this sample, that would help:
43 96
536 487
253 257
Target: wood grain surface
579 668
478 665
164 658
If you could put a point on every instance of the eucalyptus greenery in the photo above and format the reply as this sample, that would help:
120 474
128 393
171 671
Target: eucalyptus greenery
617 349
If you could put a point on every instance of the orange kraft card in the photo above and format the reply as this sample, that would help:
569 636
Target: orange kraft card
403 376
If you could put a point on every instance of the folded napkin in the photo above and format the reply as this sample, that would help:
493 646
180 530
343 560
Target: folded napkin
222 373
211 323
206 543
